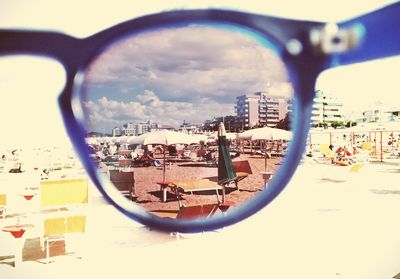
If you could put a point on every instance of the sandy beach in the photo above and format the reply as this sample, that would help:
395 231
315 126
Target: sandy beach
149 194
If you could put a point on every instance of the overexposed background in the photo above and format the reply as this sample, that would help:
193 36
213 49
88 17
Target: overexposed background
29 110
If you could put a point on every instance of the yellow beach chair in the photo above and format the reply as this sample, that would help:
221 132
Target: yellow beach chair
59 193
3 204
56 228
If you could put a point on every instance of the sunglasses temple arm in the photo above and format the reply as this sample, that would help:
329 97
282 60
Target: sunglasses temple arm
51 44
378 36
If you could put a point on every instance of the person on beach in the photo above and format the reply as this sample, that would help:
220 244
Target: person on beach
45 174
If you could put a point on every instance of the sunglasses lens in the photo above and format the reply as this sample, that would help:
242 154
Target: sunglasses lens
170 115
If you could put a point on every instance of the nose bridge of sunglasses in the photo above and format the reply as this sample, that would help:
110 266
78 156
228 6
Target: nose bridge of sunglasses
331 38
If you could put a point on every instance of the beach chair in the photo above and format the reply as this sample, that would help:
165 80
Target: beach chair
329 155
370 151
3 204
210 159
356 167
124 181
64 192
188 211
56 228
242 169
143 161
188 186
367 146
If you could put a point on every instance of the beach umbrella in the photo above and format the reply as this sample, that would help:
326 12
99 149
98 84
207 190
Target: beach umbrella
266 133
231 136
91 140
164 138
225 166
121 139
130 139
200 137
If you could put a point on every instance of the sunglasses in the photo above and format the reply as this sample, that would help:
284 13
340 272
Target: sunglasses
204 114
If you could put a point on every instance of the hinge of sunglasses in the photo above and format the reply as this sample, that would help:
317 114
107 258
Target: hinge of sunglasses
331 39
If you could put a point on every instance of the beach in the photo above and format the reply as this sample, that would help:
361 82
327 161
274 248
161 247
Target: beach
319 227
149 194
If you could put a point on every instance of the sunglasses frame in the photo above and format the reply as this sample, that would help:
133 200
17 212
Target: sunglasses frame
304 66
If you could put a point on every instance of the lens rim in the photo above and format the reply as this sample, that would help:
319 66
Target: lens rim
302 106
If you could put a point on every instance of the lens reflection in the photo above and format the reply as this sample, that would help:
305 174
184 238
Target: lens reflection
188 121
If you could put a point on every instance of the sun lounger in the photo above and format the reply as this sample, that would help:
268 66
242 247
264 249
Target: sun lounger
124 181
263 153
242 169
190 185
329 155
189 212
3 204
58 193
56 228
356 167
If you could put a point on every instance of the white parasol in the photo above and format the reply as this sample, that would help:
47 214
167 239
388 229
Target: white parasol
266 133
164 138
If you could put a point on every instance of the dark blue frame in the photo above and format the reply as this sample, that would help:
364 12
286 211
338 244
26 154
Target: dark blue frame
381 39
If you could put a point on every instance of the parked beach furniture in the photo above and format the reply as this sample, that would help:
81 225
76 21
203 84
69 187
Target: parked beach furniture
143 161
210 158
3 204
329 155
124 181
242 169
63 192
188 185
55 229
189 211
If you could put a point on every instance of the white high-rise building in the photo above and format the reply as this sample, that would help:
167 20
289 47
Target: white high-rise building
129 129
379 113
326 109
258 109
116 132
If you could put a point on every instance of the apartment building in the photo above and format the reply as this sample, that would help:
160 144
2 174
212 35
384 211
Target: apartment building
260 109
326 109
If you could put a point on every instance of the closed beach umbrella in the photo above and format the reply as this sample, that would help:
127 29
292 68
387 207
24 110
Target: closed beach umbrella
225 166
164 138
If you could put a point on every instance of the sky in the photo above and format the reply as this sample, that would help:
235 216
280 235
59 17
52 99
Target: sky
29 87
191 73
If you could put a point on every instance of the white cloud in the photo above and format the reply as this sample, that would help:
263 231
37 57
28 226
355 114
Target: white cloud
108 113
178 63
149 98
